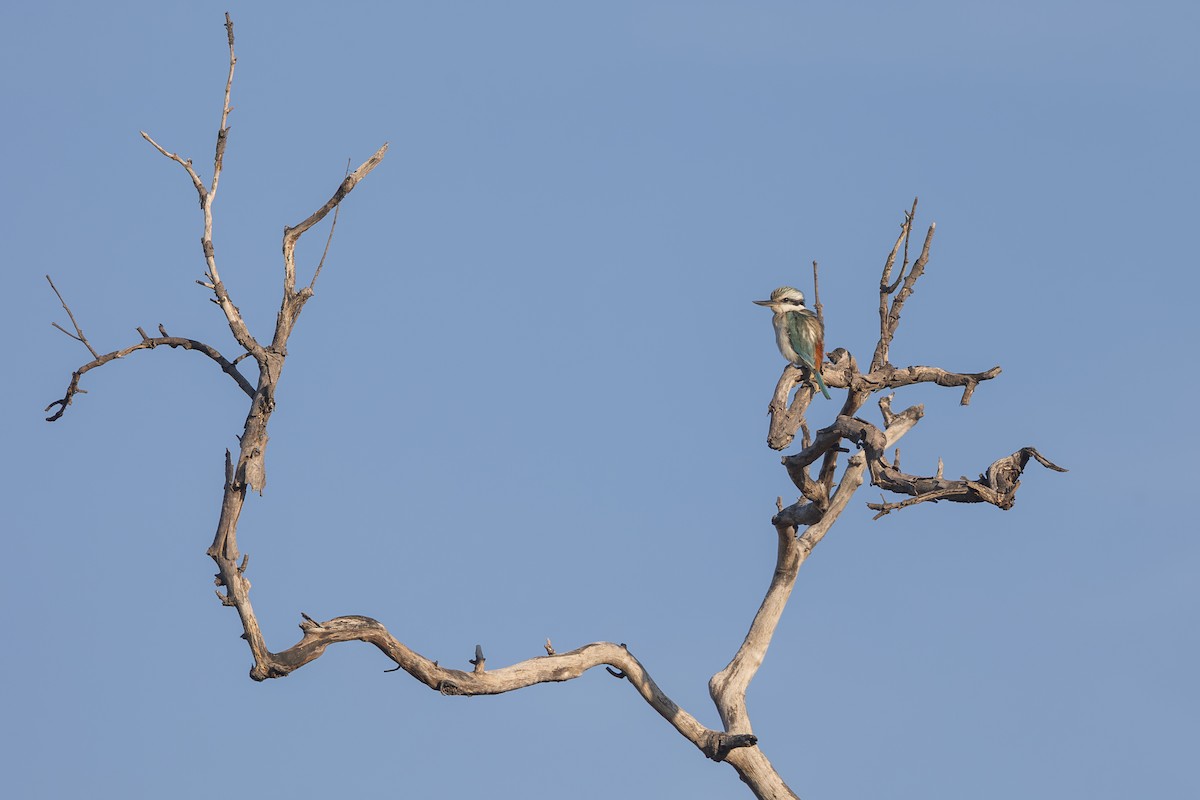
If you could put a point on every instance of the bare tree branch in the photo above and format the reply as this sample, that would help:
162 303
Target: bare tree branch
817 307
889 318
292 235
78 335
728 687
842 371
998 485
294 301
820 504
201 189
223 128
207 195
551 668
147 343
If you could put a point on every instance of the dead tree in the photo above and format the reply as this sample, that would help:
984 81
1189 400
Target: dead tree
799 526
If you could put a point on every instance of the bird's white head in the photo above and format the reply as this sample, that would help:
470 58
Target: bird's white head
785 298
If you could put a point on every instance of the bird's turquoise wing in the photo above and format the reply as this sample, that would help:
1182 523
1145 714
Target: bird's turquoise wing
806 334
804 331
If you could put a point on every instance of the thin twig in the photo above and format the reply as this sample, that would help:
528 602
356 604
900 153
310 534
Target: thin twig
185 163
223 130
817 307
328 239
78 335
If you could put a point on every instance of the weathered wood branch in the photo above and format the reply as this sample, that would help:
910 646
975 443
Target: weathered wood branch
233 315
899 290
551 668
997 485
821 504
728 687
147 343
293 301
841 372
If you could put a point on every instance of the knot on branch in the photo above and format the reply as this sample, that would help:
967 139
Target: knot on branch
798 515
263 672
254 472
841 371
1002 477
852 429
717 745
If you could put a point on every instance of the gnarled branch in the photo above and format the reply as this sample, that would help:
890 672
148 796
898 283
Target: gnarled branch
998 485
821 504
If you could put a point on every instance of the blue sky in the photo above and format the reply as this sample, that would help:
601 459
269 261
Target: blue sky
617 181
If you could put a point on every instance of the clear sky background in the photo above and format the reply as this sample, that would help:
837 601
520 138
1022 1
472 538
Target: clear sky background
616 182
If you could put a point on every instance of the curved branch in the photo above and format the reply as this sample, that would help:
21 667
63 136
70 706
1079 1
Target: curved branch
148 343
554 668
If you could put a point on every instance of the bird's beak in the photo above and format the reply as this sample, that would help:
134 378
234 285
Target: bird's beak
761 302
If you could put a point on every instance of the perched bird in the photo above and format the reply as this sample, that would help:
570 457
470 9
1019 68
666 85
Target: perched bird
799 333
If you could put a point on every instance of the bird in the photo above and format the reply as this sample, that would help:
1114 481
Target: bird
799 332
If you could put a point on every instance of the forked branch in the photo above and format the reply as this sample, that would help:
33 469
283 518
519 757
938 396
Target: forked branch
293 301
292 235
208 194
802 525
78 334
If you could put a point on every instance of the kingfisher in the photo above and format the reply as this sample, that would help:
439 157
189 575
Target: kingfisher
799 332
